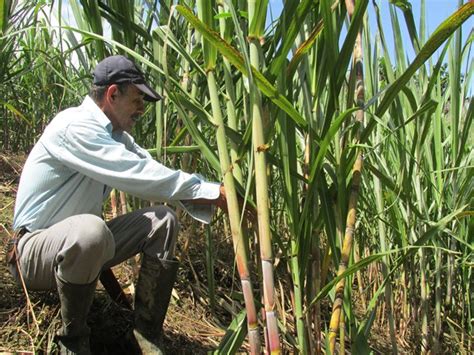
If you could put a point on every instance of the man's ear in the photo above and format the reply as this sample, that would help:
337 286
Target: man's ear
111 92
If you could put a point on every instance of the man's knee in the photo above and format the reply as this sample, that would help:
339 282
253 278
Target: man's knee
94 238
88 248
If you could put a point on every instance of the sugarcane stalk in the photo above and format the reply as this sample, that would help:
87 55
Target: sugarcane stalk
316 314
298 297
261 186
425 333
238 238
345 254
438 304
354 191
186 158
230 95
123 202
287 138
262 198
379 202
424 266
342 334
160 120
234 217
113 202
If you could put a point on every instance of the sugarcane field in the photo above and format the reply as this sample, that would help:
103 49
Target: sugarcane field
236 177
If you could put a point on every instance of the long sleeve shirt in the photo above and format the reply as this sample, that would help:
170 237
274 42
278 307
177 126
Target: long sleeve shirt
77 161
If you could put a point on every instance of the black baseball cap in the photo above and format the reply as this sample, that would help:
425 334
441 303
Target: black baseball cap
118 69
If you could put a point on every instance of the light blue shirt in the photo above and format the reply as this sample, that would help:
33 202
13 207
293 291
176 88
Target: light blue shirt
77 161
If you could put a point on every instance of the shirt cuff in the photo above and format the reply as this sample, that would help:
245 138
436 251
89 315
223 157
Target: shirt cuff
209 190
202 213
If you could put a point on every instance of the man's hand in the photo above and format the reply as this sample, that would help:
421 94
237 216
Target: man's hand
221 201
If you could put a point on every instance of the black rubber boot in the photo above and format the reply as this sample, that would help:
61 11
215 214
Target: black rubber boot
73 337
152 297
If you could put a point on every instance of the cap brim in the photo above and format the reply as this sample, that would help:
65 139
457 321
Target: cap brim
150 94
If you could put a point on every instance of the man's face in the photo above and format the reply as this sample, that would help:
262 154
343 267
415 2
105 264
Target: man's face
126 108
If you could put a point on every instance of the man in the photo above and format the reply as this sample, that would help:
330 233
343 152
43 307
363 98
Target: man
83 153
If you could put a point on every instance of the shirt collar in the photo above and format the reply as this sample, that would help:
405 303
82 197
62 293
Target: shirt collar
91 106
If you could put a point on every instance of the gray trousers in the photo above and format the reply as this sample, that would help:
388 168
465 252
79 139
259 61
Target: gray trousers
79 247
